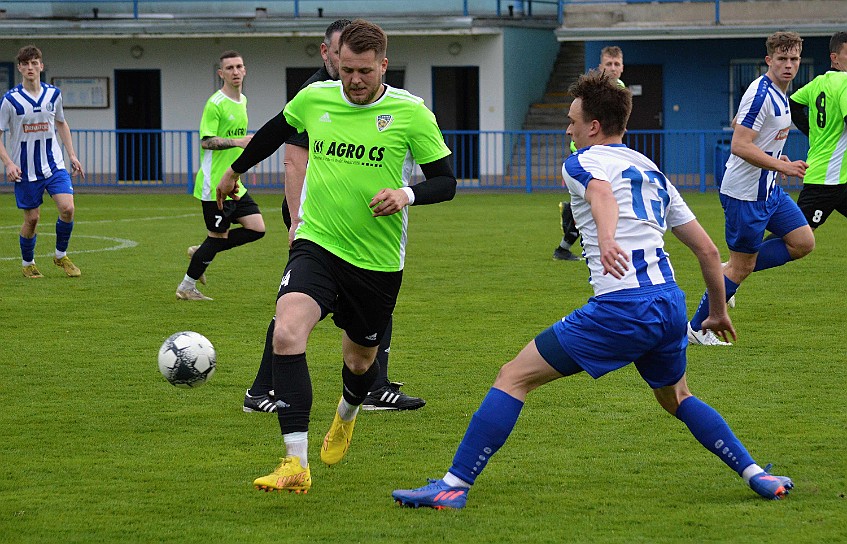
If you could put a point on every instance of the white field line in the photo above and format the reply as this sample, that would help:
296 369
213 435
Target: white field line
119 243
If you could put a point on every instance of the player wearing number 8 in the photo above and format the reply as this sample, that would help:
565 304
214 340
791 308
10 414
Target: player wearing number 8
825 123
622 205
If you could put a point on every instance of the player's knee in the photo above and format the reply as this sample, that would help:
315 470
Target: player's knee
289 337
803 247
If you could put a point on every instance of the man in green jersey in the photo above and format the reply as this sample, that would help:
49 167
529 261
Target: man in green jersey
386 394
223 134
349 249
825 123
611 62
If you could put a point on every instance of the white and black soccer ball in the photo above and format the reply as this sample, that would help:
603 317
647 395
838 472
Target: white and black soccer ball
187 359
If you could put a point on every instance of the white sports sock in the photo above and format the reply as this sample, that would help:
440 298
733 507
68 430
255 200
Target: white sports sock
454 481
297 444
60 254
188 282
346 411
26 263
751 471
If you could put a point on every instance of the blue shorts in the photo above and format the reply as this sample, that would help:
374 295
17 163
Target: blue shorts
747 220
646 326
30 194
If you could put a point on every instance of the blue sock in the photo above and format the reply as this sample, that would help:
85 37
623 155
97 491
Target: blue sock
772 253
28 248
63 234
490 426
710 429
703 309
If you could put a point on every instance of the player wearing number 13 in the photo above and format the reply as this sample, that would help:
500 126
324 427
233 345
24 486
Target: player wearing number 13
622 205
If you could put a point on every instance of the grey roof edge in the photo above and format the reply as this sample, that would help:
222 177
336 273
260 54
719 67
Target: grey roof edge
657 32
249 25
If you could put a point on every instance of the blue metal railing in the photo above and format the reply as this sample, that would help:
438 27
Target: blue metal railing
514 160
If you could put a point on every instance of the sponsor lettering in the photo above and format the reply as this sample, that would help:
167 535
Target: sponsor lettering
36 127
350 153
236 132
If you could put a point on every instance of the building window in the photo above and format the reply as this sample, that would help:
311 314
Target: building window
742 72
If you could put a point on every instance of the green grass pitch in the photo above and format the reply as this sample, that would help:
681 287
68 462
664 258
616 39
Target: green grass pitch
95 446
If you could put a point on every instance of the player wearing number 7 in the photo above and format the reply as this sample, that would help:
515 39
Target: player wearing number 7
622 205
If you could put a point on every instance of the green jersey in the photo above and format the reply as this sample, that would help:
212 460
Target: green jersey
826 97
225 118
355 151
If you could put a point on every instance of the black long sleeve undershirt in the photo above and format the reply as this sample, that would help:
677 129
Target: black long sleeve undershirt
439 185
799 116
267 139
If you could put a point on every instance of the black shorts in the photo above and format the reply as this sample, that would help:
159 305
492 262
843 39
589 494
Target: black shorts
817 202
220 220
361 301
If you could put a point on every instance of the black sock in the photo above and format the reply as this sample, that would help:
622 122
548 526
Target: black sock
293 392
204 256
356 387
382 356
264 382
240 236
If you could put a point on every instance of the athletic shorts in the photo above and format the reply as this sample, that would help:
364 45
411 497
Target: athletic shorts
747 220
30 194
361 301
221 220
817 202
646 326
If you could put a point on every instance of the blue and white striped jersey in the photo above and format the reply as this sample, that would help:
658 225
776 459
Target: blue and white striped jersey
763 108
648 204
29 123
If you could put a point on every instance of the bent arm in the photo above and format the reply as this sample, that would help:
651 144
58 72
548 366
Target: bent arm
296 159
698 241
604 210
743 146
439 185
263 144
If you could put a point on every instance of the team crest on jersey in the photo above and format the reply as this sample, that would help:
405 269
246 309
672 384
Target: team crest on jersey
383 121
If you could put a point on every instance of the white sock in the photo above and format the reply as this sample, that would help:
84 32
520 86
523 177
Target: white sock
60 254
454 481
188 282
297 444
751 471
564 245
26 263
346 411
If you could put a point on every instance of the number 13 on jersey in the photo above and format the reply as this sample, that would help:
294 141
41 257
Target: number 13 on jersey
656 185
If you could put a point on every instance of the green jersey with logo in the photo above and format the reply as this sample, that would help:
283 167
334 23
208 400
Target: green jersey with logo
355 151
826 97
225 118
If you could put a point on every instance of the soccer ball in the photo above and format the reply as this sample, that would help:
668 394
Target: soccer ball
187 359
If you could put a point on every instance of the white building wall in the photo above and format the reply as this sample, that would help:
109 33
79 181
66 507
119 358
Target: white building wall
188 75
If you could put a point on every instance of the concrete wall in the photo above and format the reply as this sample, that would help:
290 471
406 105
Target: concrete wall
188 75
663 14
696 73
529 55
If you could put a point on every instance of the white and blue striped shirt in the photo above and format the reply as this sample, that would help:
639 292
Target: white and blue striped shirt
763 108
30 124
648 204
